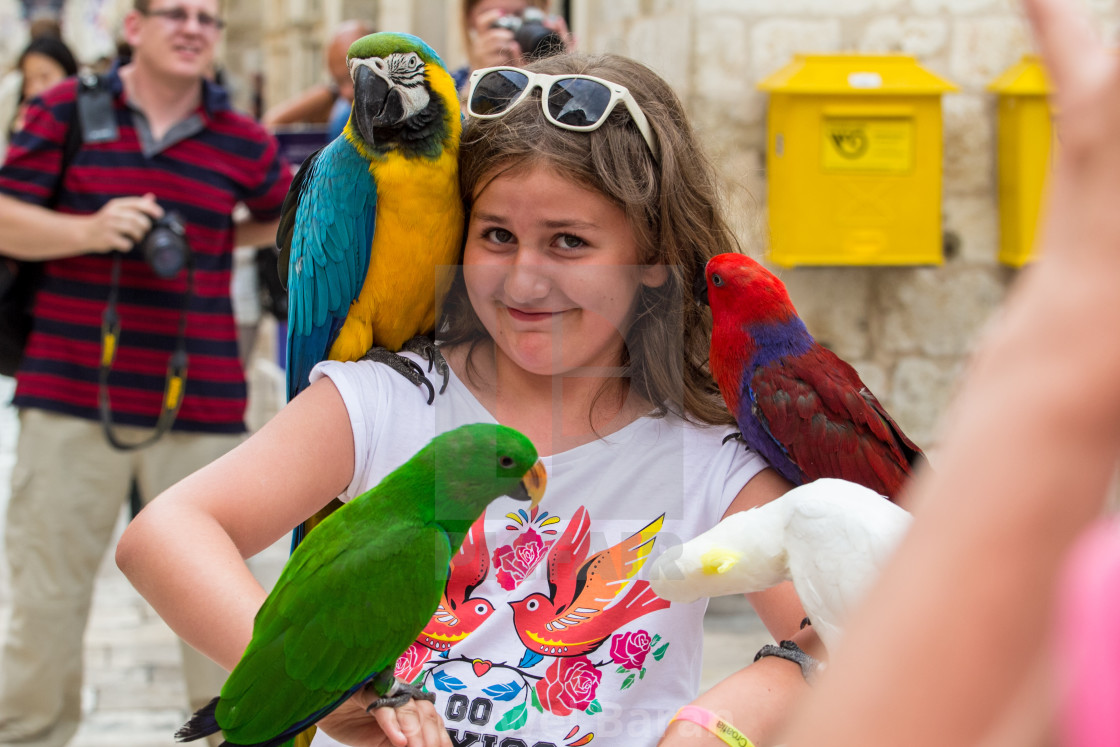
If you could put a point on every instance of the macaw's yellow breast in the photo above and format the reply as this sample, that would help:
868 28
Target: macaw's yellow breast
416 247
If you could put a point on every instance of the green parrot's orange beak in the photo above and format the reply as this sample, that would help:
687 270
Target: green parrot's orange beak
533 483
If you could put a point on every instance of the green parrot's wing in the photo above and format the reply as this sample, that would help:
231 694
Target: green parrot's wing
328 247
349 602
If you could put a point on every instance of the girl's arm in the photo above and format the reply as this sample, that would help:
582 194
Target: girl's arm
757 700
185 551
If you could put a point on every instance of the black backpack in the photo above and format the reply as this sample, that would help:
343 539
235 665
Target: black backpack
19 279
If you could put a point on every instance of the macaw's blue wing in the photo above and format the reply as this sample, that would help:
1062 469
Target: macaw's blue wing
326 231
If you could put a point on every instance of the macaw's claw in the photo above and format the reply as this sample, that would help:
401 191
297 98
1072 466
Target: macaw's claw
736 436
398 694
405 367
427 349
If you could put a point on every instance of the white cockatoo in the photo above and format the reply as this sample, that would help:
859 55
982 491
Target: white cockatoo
830 537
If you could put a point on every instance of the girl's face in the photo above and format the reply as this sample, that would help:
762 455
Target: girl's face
551 270
40 72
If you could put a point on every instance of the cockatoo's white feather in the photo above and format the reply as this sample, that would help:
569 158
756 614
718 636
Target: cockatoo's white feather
830 537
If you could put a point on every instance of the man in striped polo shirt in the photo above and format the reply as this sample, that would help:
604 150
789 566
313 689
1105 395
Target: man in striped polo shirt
178 147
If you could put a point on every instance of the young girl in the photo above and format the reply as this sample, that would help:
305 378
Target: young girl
572 320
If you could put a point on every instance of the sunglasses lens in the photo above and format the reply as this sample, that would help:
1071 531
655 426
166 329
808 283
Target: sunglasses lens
578 102
496 91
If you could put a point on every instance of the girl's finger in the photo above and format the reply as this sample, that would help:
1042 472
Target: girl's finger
434 732
411 724
390 727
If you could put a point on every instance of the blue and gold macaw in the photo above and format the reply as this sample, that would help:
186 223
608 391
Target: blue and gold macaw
372 225
373 222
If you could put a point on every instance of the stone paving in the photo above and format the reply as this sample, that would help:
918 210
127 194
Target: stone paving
133 694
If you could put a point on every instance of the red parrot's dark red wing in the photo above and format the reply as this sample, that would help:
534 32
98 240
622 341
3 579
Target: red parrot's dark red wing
815 406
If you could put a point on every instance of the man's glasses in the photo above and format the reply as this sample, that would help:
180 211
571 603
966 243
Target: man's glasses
179 17
571 102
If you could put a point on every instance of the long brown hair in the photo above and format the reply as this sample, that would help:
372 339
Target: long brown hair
672 205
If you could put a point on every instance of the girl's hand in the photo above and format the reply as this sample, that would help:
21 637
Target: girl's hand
415 724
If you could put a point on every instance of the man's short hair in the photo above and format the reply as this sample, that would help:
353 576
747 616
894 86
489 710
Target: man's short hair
143 6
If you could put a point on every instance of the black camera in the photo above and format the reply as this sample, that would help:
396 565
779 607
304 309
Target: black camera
165 246
535 39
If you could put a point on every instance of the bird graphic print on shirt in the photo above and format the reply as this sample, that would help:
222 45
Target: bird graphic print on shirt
576 639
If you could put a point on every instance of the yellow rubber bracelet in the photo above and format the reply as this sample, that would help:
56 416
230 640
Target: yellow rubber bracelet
727 733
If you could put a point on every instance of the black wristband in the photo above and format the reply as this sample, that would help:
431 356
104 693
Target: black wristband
790 651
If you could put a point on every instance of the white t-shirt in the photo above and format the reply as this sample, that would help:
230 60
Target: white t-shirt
517 659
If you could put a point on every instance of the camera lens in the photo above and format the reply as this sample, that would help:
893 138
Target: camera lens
538 41
165 246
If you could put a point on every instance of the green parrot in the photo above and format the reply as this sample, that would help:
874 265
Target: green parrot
361 587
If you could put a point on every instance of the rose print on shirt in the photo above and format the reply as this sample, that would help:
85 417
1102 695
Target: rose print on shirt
629 649
515 562
568 685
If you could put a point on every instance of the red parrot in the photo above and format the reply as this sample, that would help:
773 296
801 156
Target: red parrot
458 615
583 607
796 403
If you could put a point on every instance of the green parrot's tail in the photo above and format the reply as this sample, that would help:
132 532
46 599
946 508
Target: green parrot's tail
202 723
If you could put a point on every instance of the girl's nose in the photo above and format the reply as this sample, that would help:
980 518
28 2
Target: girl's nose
527 280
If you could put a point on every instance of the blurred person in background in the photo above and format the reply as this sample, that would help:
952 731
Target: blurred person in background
45 62
489 34
176 145
326 103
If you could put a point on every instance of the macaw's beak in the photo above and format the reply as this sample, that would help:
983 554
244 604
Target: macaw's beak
700 287
376 102
531 487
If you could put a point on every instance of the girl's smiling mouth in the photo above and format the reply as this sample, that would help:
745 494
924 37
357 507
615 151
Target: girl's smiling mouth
529 315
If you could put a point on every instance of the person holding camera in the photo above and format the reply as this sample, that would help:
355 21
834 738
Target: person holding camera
136 239
509 32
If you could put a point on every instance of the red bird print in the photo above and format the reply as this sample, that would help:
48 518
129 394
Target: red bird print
796 403
458 615
584 606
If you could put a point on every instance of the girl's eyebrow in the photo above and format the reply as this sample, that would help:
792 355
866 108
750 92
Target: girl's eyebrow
488 217
572 224
566 223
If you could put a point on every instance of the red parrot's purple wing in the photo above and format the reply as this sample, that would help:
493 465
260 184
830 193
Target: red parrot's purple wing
815 406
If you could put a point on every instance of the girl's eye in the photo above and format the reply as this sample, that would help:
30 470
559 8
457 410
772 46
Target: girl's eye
568 241
498 235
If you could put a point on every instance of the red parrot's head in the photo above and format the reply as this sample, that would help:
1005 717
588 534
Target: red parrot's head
742 291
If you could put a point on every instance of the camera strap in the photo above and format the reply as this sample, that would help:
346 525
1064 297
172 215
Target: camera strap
174 384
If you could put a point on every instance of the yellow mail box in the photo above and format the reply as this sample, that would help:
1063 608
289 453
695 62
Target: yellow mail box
1025 152
854 161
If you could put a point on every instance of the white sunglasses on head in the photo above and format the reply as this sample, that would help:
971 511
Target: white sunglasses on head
571 101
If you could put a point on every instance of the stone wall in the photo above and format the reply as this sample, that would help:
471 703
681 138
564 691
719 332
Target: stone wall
908 331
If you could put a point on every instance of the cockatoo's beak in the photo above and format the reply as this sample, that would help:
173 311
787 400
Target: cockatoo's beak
719 560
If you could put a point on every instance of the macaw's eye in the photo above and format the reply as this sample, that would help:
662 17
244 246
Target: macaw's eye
717 281
506 462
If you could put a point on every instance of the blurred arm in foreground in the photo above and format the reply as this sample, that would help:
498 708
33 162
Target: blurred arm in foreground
954 642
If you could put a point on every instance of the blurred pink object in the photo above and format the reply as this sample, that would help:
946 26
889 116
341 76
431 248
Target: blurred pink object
1089 639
